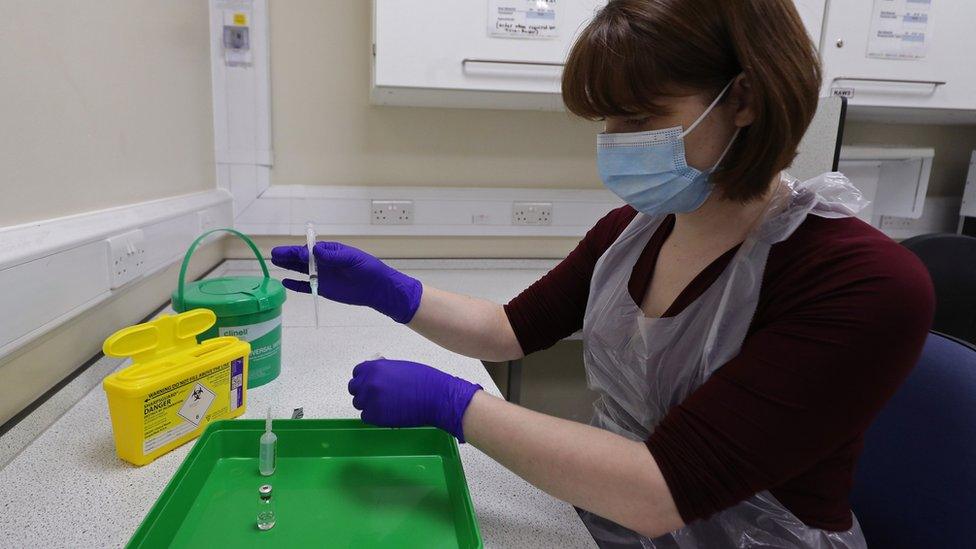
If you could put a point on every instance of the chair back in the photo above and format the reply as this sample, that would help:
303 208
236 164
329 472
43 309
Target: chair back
915 484
951 262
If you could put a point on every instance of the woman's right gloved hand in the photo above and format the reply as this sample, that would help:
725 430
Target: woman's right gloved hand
351 276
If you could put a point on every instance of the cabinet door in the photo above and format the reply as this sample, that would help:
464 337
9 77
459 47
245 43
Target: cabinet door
446 45
941 77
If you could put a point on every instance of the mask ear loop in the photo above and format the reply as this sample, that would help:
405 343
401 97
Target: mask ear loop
709 109
721 157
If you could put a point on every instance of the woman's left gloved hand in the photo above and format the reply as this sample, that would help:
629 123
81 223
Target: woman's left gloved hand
398 393
351 276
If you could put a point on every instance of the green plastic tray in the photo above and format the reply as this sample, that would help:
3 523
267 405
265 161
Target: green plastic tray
338 483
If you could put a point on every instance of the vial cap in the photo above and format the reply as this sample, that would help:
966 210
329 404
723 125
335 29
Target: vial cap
265 490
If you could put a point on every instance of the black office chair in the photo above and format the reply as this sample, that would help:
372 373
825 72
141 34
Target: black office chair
951 261
915 484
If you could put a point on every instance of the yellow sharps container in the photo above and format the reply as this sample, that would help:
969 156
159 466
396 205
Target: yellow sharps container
175 387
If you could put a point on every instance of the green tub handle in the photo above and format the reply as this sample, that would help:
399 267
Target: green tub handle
196 243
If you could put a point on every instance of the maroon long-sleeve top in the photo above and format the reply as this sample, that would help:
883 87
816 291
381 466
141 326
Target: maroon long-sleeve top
842 316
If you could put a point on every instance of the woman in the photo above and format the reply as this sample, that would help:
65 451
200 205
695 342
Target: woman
741 328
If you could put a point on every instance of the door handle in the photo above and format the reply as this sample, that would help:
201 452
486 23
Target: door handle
933 83
467 60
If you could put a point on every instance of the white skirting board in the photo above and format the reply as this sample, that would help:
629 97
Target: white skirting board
457 211
56 269
438 211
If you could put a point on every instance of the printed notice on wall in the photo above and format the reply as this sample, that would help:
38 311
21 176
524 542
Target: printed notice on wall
900 29
522 18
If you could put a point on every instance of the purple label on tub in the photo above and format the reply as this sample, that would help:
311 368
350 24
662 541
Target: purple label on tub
236 383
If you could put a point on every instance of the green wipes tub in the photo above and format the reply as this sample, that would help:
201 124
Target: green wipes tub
247 307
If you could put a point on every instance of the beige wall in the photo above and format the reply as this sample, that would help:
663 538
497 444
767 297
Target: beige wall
102 104
327 133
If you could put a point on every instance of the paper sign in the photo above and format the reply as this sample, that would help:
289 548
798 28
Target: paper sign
900 29
522 18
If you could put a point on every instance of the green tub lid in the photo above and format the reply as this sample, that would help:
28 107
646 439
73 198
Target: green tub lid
230 295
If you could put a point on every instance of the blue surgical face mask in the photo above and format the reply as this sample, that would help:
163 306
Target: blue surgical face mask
648 169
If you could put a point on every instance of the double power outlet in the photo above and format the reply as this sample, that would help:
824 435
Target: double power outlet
391 212
532 213
400 212
127 257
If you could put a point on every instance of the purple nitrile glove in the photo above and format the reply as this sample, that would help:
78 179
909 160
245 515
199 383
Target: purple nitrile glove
351 276
398 393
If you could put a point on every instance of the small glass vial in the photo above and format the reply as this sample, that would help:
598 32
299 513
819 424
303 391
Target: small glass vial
266 508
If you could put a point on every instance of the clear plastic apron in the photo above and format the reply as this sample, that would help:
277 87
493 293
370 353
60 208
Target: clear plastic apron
641 366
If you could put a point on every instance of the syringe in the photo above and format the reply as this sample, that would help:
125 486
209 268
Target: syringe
313 273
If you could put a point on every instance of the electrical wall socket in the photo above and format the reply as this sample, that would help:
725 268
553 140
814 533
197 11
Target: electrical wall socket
127 257
894 223
532 213
391 212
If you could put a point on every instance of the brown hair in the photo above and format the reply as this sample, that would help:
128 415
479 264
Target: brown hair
635 50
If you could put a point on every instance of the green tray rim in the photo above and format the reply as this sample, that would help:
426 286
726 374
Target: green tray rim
287 425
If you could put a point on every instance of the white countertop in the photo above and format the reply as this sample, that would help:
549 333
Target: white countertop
67 488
